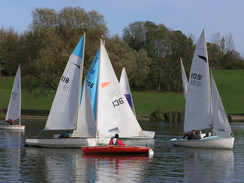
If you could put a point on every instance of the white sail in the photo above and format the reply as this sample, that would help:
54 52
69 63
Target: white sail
113 112
86 122
124 83
14 106
184 78
198 100
221 126
63 113
204 109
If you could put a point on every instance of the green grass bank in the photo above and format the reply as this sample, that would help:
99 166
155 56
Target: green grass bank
230 84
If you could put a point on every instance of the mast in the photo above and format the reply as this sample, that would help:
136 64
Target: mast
19 95
81 76
102 42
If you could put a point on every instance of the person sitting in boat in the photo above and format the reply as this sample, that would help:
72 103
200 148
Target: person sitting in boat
206 135
10 122
116 141
64 135
190 135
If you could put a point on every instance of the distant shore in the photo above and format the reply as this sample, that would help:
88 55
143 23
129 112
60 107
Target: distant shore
233 117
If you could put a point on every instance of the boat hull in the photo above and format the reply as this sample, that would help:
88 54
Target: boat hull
61 142
116 150
149 134
12 127
212 142
130 141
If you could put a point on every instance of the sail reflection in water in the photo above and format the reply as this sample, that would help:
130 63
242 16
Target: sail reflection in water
215 165
53 165
66 165
10 155
115 168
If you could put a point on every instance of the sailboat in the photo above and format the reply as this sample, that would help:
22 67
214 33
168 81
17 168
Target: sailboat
125 86
204 109
70 111
114 115
14 106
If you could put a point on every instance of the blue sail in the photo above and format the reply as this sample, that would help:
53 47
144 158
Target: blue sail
92 80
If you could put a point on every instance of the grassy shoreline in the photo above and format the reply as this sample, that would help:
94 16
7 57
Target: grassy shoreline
230 85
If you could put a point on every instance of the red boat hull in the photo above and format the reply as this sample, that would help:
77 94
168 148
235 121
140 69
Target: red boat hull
116 150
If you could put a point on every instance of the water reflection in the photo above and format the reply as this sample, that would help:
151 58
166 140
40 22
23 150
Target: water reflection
206 164
52 165
66 165
107 168
10 142
169 163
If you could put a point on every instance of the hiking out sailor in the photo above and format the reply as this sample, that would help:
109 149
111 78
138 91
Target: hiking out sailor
190 135
10 122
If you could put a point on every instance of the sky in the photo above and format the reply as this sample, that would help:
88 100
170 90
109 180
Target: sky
188 16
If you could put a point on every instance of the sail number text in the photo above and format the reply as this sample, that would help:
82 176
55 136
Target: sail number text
66 81
90 84
196 79
14 95
119 100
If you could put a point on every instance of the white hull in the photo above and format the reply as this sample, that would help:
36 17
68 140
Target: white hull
213 142
61 142
149 134
12 127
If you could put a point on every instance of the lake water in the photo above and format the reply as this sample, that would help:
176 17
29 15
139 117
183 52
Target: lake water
169 164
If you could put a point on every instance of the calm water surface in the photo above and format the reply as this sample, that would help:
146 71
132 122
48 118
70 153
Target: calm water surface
169 164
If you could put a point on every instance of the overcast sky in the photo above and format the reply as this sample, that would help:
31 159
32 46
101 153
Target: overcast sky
188 16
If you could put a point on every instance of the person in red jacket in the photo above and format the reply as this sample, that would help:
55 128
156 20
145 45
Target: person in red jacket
191 135
116 141
10 122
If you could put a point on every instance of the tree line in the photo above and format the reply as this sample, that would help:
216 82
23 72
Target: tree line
150 52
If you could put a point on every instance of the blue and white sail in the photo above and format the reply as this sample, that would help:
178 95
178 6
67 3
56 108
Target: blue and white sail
92 80
64 111
125 86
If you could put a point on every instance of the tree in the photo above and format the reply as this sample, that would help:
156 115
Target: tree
52 38
9 51
43 18
121 55
141 71
164 47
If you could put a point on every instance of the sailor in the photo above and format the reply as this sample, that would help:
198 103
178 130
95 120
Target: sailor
64 135
190 135
116 141
10 122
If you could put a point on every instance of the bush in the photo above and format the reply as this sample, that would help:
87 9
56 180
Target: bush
157 115
2 115
171 116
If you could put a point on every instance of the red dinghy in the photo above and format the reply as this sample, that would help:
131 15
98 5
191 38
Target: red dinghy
117 150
